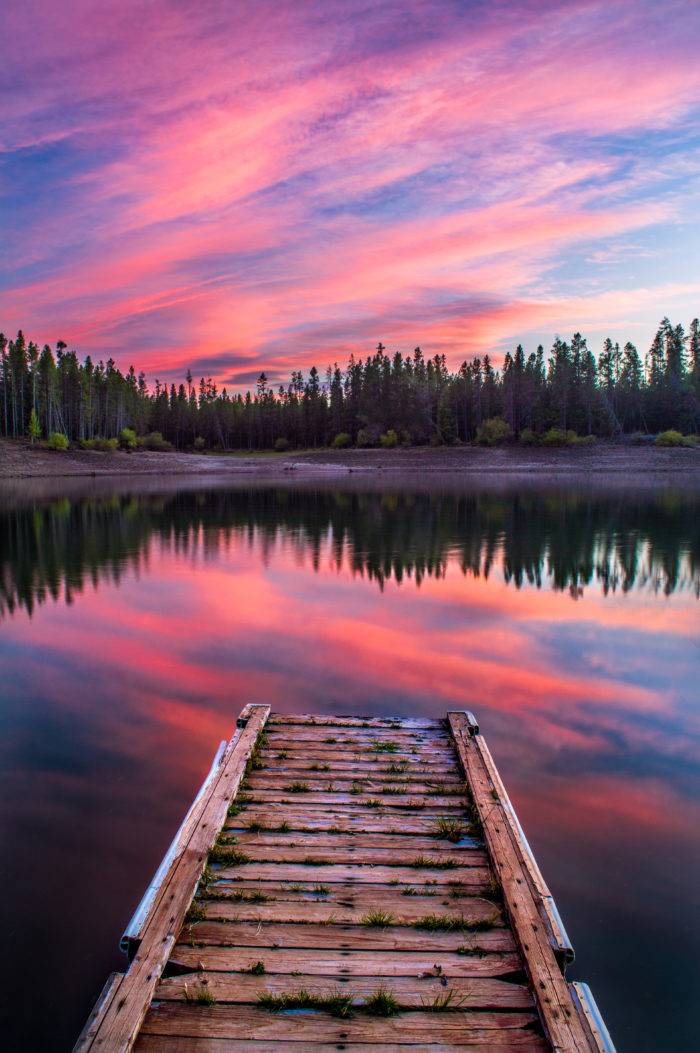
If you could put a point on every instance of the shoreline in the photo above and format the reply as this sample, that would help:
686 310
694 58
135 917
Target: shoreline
607 462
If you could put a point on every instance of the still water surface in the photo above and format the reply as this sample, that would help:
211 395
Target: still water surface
136 622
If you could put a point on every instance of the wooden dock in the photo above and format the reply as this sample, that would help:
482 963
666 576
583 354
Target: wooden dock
348 884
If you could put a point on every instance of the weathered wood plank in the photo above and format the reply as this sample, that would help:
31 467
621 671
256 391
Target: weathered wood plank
318 870
345 937
518 1042
354 768
350 750
369 746
413 992
415 843
101 1006
557 1012
319 781
298 853
340 753
330 720
319 799
229 1021
407 910
119 1025
296 803
407 823
337 961
434 897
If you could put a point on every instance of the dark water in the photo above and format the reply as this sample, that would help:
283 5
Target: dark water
134 626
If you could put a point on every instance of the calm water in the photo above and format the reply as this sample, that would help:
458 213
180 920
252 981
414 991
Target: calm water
135 624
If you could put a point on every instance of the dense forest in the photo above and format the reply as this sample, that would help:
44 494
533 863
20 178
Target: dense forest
384 398
54 550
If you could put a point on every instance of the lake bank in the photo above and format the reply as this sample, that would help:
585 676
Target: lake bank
616 462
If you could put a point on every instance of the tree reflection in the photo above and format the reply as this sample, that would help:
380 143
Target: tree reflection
562 541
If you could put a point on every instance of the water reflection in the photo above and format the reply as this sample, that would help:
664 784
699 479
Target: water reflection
565 542
134 625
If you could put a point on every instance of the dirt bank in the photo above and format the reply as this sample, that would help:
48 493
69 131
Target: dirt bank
618 462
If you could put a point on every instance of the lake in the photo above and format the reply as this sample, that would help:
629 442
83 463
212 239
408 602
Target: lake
137 619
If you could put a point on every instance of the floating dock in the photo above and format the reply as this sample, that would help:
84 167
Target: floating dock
348 884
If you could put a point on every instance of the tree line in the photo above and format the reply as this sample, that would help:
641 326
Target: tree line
382 398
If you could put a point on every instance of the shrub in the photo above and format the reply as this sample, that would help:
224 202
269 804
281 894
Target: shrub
155 441
103 445
554 437
342 441
58 441
200 444
389 439
585 440
364 437
527 437
559 437
281 444
492 432
674 438
127 439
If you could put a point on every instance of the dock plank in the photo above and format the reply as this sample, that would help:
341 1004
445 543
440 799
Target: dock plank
521 1042
404 856
342 820
362 874
414 992
559 1017
229 1021
407 910
346 937
337 961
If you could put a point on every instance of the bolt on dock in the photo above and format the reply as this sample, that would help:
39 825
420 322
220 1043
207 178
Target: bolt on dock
348 884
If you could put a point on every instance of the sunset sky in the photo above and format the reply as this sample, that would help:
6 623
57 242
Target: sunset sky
233 186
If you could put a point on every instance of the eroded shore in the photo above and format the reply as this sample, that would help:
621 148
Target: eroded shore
616 462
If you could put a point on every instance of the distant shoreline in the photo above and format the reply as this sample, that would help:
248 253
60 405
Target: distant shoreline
608 462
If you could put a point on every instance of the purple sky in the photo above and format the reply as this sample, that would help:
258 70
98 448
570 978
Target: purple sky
235 186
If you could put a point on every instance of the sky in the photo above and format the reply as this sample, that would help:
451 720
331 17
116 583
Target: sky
233 186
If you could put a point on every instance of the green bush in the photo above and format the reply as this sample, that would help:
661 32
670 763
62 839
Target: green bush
554 437
364 437
527 437
127 439
155 441
389 439
200 444
342 441
492 432
585 440
559 437
58 441
281 444
674 438
103 445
